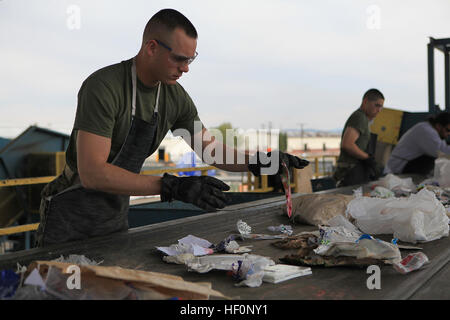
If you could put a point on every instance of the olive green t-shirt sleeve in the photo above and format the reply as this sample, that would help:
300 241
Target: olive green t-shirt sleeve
357 122
188 116
97 108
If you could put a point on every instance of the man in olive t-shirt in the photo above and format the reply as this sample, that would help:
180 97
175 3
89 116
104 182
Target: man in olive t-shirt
123 113
355 165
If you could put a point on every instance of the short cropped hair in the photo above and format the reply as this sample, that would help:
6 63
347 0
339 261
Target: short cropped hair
166 20
442 118
373 94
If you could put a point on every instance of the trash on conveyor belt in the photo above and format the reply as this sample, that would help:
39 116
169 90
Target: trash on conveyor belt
318 209
248 269
282 228
400 186
51 280
411 262
200 247
419 217
245 232
189 244
337 246
282 272
78 259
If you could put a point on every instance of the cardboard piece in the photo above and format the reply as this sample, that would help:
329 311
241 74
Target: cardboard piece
157 285
304 177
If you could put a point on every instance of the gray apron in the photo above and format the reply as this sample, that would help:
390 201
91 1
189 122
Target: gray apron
77 213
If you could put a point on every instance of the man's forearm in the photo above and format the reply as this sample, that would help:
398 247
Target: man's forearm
113 179
356 152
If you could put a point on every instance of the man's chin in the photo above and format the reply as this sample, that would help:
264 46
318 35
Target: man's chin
170 81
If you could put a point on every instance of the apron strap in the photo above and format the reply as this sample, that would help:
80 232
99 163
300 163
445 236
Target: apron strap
134 80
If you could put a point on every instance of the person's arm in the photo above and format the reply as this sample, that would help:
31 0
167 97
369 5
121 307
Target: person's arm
349 144
231 159
430 143
96 173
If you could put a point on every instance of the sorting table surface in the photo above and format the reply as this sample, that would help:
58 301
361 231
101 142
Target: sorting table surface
135 249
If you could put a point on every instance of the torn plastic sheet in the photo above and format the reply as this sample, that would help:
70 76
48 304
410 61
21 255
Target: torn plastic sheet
245 233
338 241
246 268
189 244
341 221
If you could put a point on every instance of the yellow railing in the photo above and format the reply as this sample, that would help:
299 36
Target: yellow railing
257 184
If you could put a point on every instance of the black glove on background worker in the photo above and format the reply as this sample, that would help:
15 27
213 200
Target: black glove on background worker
288 159
371 167
205 192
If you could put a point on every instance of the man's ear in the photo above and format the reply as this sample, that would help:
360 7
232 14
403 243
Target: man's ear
150 48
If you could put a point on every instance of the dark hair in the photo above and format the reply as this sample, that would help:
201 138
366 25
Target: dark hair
442 118
373 94
167 20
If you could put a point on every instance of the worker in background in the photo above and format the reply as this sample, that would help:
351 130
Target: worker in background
124 111
356 163
417 149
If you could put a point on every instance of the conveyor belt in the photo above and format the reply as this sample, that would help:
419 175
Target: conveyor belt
136 249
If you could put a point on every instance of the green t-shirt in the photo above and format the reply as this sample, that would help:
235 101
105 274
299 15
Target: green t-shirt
104 108
359 121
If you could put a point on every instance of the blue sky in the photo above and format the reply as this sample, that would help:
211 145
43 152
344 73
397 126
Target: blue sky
283 62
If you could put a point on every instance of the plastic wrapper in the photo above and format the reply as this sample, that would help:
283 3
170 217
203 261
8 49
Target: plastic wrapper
411 262
420 217
286 229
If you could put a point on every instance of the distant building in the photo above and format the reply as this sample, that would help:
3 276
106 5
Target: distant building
314 145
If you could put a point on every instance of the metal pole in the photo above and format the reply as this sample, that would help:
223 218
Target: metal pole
431 105
447 81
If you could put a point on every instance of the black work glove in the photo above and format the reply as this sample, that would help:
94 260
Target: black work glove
203 191
371 167
264 161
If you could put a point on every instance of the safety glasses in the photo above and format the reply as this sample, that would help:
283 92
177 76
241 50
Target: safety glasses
181 60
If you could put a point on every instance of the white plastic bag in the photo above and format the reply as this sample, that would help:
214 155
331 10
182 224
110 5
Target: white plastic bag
442 172
420 217
394 183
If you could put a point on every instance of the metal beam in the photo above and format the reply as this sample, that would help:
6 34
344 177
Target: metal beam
431 96
447 81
